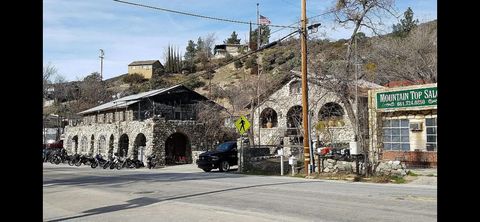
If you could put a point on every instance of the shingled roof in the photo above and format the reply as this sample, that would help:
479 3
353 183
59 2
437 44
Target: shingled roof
146 62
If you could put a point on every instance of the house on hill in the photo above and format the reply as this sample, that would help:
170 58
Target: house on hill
144 68
221 51
161 122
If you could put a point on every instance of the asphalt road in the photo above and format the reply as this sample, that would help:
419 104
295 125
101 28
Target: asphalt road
185 193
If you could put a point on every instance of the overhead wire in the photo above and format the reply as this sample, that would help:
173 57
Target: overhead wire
198 15
311 17
240 58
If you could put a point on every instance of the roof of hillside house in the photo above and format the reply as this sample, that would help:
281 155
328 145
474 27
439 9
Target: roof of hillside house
129 100
225 45
146 62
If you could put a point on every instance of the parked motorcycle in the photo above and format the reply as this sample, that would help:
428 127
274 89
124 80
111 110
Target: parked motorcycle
151 161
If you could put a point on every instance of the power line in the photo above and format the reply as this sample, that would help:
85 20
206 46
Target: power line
269 45
315 16
295 5
197 15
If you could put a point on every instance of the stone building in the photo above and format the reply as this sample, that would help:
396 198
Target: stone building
144 68
403 124
161 122
278 117
221 51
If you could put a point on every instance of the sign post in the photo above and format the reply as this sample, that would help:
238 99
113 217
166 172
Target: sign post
280 153
242 126
293 162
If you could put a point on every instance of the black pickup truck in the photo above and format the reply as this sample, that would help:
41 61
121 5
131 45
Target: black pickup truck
224 156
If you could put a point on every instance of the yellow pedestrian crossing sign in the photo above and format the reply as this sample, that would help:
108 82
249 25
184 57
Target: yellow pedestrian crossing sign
242 125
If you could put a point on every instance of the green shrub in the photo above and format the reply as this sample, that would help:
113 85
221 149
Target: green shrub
134 78
410 173
194 83
238 64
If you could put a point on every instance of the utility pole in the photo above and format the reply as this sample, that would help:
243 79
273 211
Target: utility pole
306 137
101 63
258 74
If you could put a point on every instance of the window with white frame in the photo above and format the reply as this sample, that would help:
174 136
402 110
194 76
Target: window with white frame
431 125
396 134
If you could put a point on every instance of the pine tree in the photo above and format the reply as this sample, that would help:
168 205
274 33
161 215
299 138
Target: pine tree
406 24
233 39
264 35
189 56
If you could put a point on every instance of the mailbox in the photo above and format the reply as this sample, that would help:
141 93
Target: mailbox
292 160
280 152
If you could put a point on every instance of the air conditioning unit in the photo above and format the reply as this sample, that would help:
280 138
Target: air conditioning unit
416 126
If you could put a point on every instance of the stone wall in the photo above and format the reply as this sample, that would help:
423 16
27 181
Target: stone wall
283 100
131 128
163 129
393 168
412 158
337 166
155 131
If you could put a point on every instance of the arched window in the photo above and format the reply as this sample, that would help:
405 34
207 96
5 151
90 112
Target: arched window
102 145
84 144
268 118
295 87
331 111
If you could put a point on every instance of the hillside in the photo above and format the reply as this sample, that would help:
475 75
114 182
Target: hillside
383 59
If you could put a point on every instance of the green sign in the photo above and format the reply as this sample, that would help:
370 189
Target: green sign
407 98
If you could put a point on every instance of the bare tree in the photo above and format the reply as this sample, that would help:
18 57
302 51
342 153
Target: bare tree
338 75
93 92
209 44
413 58
48 72
212 116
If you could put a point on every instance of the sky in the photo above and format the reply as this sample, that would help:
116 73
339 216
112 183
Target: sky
75 31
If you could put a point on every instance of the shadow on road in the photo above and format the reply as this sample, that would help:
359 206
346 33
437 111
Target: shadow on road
144 201
118 180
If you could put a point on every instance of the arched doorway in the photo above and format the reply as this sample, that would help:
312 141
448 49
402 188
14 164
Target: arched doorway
110 145
75 144
139 147
294 124
177 149
123 145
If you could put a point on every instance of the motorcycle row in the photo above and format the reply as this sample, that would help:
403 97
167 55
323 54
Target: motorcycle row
113 161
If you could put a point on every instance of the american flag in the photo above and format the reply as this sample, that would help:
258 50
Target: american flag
264 20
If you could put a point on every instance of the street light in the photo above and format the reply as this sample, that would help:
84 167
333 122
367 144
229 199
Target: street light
314 27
